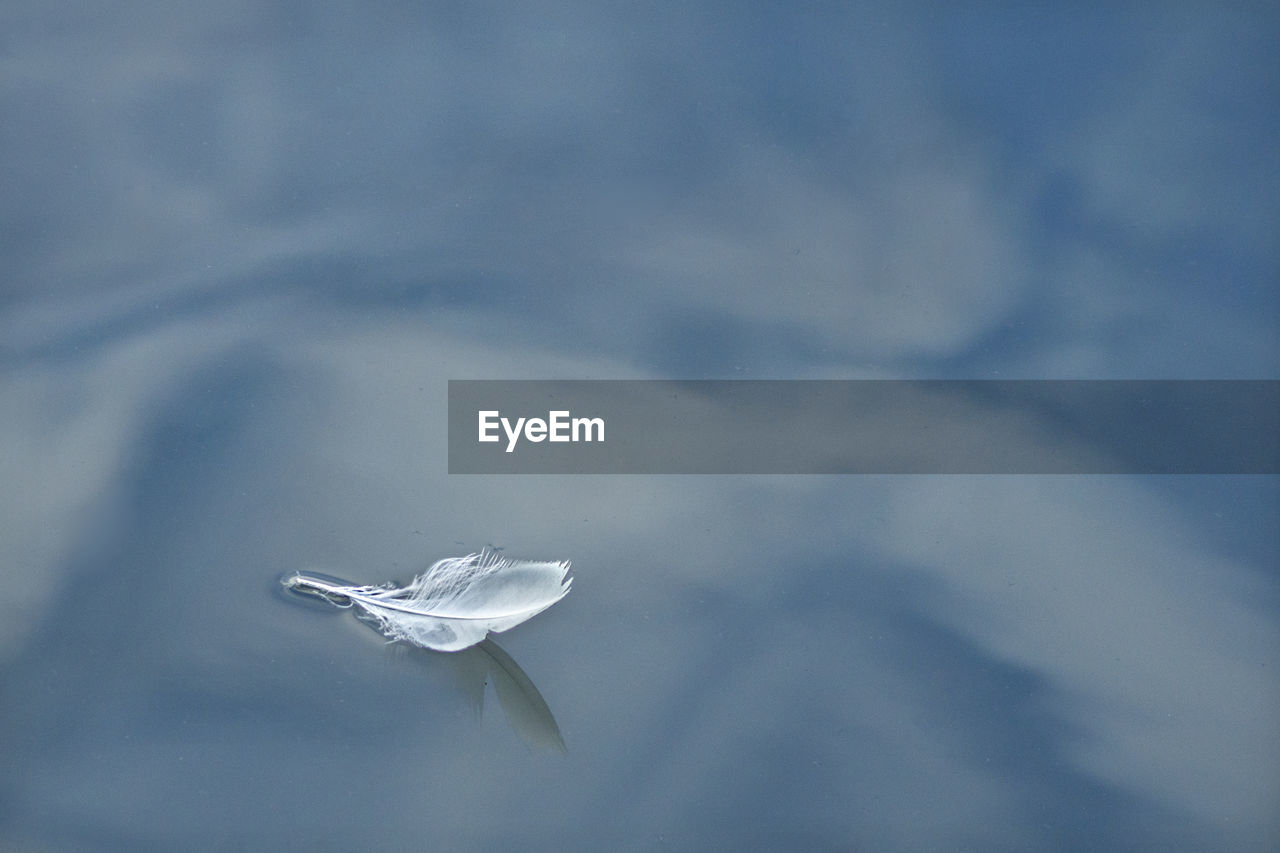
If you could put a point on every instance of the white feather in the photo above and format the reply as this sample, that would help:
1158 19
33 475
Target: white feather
455 603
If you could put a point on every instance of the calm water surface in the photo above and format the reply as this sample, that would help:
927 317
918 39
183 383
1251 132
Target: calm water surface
244 249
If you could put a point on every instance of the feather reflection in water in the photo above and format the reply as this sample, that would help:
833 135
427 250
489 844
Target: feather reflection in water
453 607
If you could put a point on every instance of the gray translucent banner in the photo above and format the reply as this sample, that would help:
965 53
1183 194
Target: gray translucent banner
864 427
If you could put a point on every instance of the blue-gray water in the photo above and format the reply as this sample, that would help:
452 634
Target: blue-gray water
245 246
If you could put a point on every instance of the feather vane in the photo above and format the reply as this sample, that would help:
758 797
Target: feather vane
454 604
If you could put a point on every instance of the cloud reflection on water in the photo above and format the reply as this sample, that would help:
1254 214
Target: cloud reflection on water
246 251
